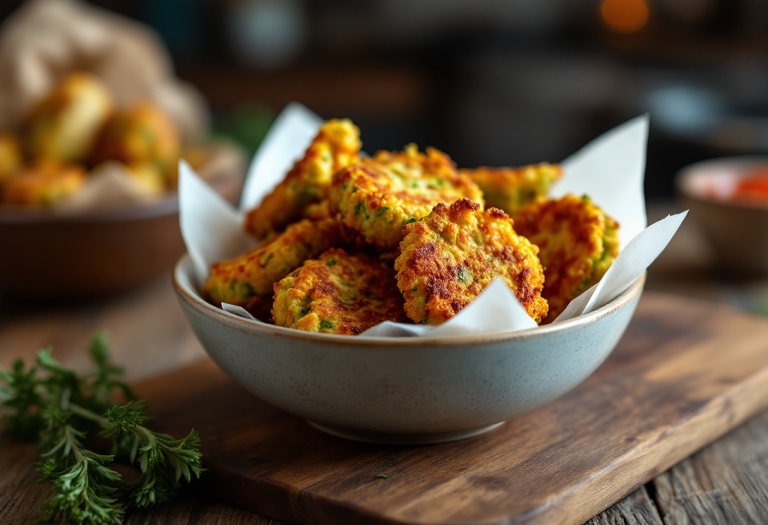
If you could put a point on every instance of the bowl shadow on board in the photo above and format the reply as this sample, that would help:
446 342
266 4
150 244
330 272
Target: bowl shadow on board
405 391
93 255
736 231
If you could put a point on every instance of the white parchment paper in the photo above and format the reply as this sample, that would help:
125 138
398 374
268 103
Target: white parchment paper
285 143
610 169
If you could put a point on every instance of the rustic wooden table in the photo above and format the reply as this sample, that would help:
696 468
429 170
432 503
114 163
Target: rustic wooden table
727 482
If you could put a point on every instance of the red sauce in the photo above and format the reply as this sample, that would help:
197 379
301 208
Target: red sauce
752 188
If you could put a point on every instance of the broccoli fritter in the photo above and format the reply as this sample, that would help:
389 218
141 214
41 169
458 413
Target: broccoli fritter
512 188
451 255
577 244
63 127
317 211
141 135
247 280
45 183
337 145
379 196
338 294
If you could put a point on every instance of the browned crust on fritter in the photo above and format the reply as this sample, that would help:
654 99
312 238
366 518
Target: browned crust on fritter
448 258
577 243
338 293
336 145
248 280
317 211
512 188
377 197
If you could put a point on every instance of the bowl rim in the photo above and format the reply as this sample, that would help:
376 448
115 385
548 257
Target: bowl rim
193 299
692 171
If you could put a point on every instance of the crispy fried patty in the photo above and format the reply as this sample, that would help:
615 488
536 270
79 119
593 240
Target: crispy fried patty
379 196
577 244
142 134
337 145
248 279
451 255
338 294
44 183
64 125
512 188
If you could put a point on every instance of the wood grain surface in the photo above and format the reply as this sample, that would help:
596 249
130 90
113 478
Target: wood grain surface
636 509
726 483
685 373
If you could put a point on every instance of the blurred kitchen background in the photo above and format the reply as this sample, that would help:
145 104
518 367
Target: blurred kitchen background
491 82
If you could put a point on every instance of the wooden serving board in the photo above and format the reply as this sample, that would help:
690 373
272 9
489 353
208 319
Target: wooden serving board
684 374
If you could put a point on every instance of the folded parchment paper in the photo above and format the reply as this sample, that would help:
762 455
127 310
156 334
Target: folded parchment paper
610 170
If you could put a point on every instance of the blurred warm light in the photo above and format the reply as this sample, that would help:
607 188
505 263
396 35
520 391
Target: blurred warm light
625 16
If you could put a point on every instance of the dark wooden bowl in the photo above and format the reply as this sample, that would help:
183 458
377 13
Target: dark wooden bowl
45 254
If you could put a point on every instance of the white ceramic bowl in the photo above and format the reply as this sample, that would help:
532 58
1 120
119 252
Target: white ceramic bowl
405 390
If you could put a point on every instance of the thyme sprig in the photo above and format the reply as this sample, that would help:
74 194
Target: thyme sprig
62 410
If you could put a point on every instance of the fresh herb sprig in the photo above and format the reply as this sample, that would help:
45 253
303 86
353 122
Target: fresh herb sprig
62 411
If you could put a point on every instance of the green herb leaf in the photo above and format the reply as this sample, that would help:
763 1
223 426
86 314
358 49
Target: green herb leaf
20 399
62 409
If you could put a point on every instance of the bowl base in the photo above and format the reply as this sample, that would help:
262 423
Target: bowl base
402 439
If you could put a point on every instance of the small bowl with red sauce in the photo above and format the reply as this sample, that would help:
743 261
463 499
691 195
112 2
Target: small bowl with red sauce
728 199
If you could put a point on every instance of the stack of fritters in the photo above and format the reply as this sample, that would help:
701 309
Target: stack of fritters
338 220
379 196
76 129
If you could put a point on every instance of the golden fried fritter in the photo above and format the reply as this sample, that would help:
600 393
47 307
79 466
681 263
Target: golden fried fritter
43 184
63 127
140 135
150 176
10 156
317 211
247 280
512 188
379 196
338 294
337 145
577 244
451 255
